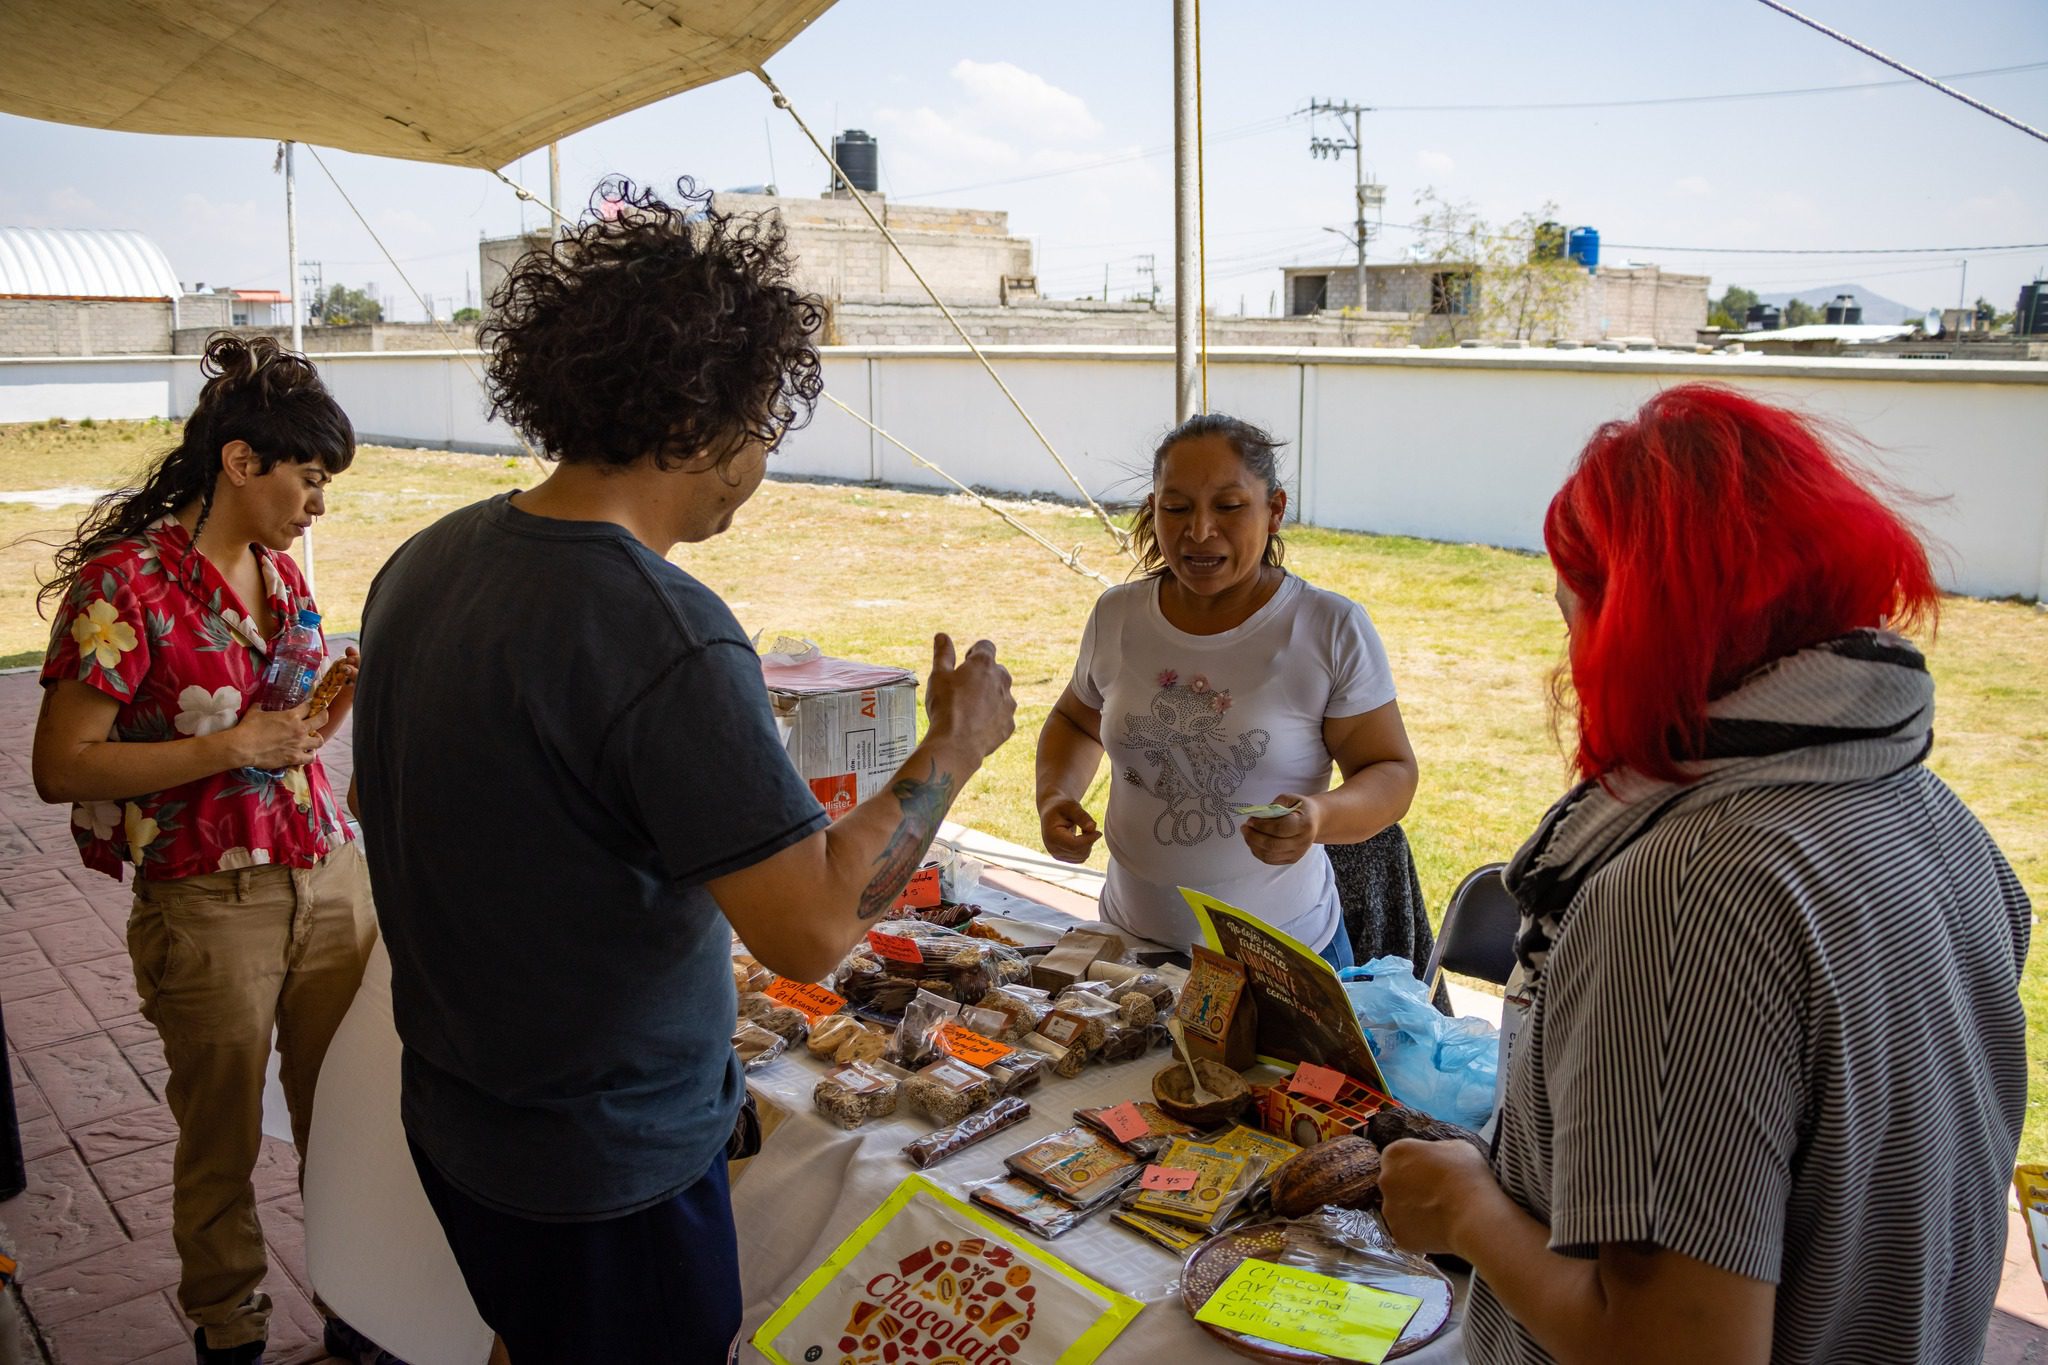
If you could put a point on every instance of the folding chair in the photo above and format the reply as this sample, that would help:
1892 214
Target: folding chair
1478 935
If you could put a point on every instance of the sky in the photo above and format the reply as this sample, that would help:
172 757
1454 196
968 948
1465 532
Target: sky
1064 119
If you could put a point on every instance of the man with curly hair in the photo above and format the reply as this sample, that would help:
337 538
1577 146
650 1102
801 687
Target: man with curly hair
574 793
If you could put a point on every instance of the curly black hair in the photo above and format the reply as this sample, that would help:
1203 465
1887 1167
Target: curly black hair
654 329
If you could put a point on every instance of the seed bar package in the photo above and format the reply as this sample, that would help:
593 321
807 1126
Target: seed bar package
1029 1207
1077 1164
1222 1179
1159 1128
1251 1142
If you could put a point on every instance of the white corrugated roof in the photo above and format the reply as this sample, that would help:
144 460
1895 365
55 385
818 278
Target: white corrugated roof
1852 333
84 263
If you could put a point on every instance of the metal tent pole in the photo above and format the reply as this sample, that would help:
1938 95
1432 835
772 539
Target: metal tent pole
291 246
1187 265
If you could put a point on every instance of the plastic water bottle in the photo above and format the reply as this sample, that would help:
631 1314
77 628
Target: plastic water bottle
295 658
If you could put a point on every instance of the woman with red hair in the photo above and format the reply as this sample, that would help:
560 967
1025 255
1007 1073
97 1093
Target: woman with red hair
1766 1089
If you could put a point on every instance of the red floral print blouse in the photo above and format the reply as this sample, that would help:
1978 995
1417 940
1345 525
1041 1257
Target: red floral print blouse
151 623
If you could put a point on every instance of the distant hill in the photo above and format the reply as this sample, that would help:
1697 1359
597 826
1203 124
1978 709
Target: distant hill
1876 307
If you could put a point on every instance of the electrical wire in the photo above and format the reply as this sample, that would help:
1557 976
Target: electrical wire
1895 64
1731 96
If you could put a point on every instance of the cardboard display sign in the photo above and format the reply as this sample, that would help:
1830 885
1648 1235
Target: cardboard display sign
927 1267
1303 1013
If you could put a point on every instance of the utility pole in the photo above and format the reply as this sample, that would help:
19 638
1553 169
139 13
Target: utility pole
554 190
1187 212
291 284
1369 195
1150 270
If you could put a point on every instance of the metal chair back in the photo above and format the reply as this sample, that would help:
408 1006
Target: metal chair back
1478 934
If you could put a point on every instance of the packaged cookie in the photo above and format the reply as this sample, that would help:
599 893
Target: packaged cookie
757 1046
833 1032
749 975
1021 1007
947 1091
1096 1013
1078 1164
901 957
850 1095
1123 1042
791 1024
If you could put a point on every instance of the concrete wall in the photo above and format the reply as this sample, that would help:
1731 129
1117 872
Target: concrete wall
1617 301
1460 445
367 336
66 327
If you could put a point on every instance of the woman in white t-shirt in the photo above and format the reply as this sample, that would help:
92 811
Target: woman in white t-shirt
1217 681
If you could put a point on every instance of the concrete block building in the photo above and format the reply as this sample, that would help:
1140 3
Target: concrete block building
1637 301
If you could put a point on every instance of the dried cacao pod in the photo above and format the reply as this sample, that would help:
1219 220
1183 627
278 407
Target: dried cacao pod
1344 1171
1393 1123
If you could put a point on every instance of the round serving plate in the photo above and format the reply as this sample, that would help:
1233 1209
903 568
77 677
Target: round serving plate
1209 1264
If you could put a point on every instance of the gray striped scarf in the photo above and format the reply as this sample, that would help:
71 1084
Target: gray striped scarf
1851 709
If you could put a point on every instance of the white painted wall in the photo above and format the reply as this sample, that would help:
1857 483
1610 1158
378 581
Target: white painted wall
1449 445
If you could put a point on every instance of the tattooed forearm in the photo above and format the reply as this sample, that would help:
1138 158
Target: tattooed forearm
925 804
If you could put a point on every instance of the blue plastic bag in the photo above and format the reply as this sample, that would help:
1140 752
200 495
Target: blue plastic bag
1441 1065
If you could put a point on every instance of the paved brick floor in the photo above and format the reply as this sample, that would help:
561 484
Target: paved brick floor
92 1231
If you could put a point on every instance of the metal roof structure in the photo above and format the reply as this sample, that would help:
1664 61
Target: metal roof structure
461 82
1848 333
83 263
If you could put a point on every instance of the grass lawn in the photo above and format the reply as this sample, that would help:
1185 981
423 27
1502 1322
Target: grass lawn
869 573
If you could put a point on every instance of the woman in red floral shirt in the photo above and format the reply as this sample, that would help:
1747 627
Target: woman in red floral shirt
252 911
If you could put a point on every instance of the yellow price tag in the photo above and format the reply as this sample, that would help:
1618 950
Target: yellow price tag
1296 1307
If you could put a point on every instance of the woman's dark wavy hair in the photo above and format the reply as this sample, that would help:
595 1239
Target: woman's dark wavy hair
1253 444
651 328
255 391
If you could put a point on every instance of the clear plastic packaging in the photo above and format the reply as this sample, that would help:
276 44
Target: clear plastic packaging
929 1150
757 1046
842 1038
1018 1070
1160 1129
1021 1007
925 957
1078 1164
763 1012
850 1095
1036 1210
947 1091
917 1033
1223 1180
1079 1018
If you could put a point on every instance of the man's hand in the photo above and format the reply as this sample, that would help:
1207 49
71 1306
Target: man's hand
1284 839
1068 830
1428 1190
969 703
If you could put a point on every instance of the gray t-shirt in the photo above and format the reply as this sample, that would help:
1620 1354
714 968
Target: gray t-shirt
1782 1034
560 738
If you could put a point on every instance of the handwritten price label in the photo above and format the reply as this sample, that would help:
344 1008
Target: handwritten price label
1166 1178
970 1047
1316 1082
815 1001
895 947
1125 1122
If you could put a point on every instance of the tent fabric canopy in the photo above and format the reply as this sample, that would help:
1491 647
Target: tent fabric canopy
461 82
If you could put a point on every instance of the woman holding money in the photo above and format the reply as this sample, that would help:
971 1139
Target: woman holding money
1222 689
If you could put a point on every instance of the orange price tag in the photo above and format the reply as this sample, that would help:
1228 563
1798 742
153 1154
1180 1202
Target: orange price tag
961 1042
895 947
1316 1082
815 1001
1166 1178
1125 1122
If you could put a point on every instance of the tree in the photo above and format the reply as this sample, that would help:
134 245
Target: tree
342 305
1496 282
1989 316
1731 310
1799 313
469 315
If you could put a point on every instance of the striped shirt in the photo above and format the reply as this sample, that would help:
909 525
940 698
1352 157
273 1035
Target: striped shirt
1780 1033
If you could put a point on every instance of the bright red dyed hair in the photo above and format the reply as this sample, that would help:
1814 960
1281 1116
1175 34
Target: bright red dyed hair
1703 538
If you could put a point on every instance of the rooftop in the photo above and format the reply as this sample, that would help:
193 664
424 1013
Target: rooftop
83 263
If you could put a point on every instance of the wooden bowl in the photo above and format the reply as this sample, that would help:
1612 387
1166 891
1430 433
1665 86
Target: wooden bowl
1175 1093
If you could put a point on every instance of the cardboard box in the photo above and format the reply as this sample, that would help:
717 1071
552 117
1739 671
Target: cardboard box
1305 1122
842 720
1068 960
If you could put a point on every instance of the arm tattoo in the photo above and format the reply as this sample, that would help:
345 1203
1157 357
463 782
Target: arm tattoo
924 806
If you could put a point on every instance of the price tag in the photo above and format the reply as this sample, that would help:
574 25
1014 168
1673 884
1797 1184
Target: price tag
1125 1122
1166 1178
1316 1082
1297 1307
814 1001
969 1046
895 947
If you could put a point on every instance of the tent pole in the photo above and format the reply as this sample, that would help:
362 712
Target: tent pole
291 289
1187 266
555 189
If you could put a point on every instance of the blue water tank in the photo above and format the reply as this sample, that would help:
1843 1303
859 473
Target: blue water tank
1584 247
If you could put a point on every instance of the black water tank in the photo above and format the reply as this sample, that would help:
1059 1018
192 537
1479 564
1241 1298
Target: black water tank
1844 311
2030 319
1762 317
860 156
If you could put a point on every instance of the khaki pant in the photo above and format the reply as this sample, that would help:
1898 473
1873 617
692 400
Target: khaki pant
220 961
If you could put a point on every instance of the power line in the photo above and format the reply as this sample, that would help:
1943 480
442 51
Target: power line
1897 65
1688 99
